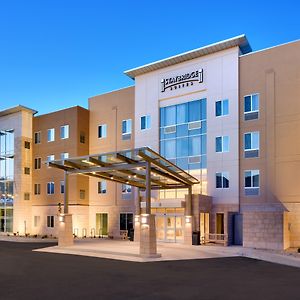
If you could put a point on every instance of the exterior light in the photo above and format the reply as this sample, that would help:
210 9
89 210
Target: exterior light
137 219
111 177
61 218
94 173
144 219
134 176
87 162
127 181
188 219
129 176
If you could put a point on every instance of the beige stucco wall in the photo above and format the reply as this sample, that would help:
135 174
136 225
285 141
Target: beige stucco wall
274 74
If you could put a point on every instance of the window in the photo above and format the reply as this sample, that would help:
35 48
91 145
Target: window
50 188
102 131
37 137
50 221
102 187
82 194
62 187
251 107
50 157
145 122
26 196
82 137
64 155
37 163
36 221
251 144
126 188
251 182
222 108
64 132
27 145
126 221
222 143
222 180
126 129
37 189
27 171
51 135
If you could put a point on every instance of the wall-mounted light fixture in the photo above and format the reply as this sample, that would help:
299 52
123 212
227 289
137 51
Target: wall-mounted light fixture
145 219
61 218
188 219
137 219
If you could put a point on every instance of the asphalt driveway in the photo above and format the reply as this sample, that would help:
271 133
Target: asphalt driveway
25 274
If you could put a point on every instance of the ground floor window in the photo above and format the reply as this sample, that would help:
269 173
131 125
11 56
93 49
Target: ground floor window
50 221
126 221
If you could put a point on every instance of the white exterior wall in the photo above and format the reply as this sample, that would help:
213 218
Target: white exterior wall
220 82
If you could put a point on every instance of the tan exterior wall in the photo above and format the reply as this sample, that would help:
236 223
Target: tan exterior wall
110 109
78 120
274 74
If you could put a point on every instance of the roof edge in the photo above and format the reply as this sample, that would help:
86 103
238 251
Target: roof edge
15 109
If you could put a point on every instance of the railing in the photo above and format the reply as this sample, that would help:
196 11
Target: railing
216 238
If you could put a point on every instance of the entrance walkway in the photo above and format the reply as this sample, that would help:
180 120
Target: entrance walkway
129 251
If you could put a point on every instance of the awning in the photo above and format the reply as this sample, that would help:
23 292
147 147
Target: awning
129 167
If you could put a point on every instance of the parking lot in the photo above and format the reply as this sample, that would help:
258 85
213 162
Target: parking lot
26 274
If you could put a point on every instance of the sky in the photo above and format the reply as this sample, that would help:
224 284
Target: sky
57 53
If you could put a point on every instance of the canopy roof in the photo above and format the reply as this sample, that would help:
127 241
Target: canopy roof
128 167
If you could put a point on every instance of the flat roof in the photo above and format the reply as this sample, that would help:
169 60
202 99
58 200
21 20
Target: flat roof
128 167
16 109
241 41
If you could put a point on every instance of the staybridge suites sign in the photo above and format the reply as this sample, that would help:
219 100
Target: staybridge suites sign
182 81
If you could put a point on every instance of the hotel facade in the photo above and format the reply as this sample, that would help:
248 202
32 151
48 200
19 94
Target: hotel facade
226 115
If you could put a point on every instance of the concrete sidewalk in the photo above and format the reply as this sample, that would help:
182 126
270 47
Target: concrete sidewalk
129 251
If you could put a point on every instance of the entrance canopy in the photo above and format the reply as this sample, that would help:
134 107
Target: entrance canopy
130 167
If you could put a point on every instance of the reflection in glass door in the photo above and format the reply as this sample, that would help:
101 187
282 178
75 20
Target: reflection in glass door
169 228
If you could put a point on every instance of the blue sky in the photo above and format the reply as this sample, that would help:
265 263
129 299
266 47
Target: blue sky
55 54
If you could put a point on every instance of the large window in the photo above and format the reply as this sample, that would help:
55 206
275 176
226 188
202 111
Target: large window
222 180
126 221
251 107
102 131
251 182
50 157
183 134
37 163
102 187
222 143
126 129
51 135
145 122
222 108
64 132
50 188
251 144
37 188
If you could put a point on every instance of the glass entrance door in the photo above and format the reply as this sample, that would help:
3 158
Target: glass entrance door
169 228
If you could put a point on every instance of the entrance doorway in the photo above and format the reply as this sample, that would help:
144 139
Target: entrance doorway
169 228
102 224
220 223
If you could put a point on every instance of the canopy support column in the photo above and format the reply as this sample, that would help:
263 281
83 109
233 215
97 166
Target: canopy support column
65 231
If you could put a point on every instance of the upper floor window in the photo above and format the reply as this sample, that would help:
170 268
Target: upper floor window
82 194
62 187
251 182
37 163
126 129
64 155
82 137
251 144
64 132
27 171
222 143
126 188
37 137
222 108
26 196
37 188
27 145
145 122
50 188
50 157
102 187
51 135
251 107
222 180
102 131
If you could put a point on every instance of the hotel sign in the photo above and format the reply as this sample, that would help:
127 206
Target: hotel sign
181 81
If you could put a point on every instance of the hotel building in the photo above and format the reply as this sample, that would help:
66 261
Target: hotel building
226 115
